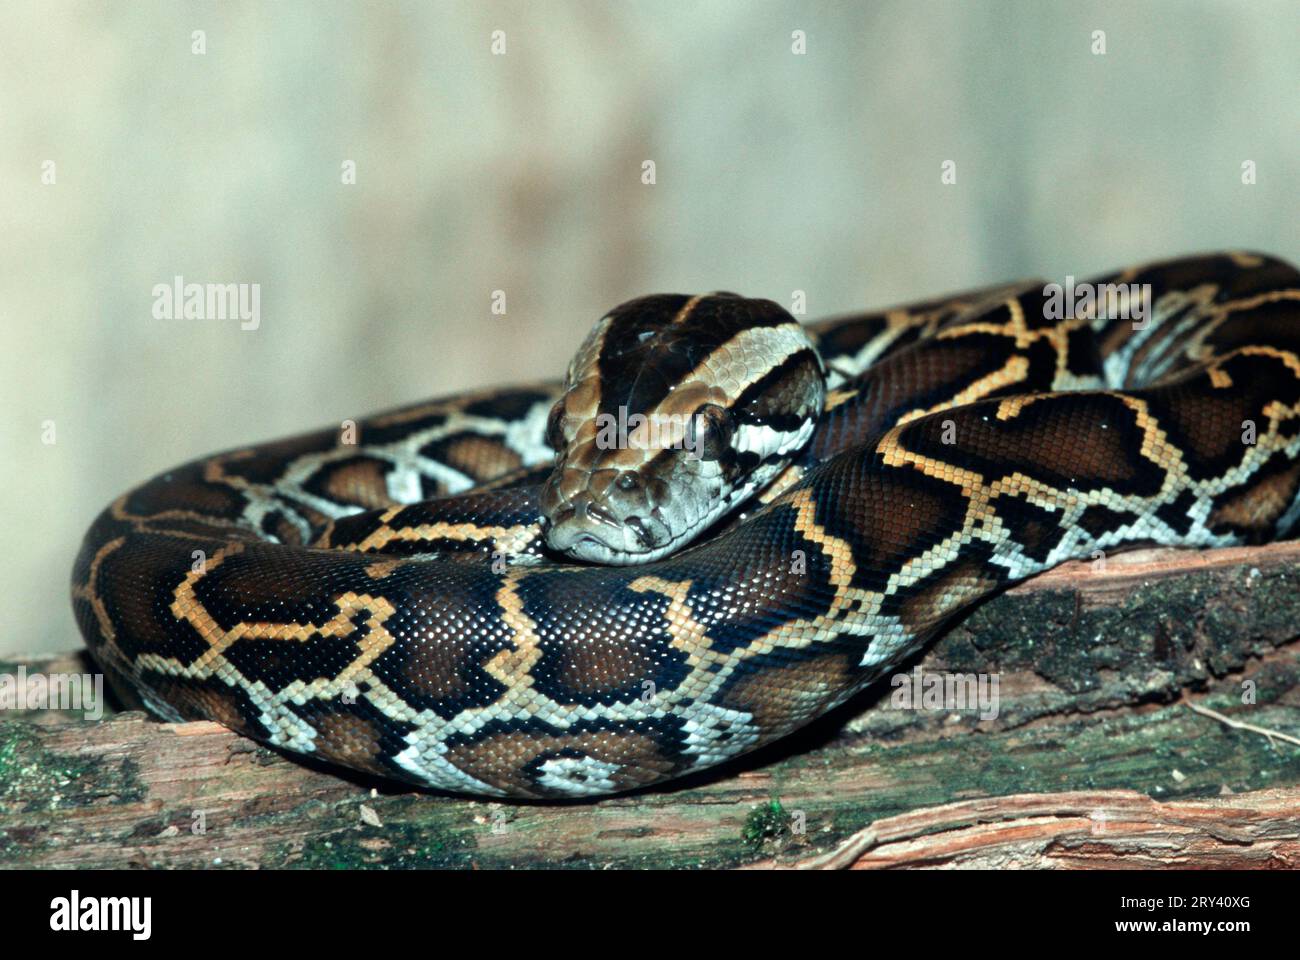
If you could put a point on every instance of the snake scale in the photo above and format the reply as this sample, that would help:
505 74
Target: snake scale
391 596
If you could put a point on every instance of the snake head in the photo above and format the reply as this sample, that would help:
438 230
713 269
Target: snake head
676 409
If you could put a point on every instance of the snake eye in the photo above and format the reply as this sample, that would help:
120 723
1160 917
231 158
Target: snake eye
555 428
708 433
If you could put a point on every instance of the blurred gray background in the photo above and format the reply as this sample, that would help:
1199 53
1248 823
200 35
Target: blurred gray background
522 172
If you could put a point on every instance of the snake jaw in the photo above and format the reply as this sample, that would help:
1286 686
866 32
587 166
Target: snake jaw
588 529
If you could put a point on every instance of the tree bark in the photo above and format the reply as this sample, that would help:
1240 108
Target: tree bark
1097 756
1101 829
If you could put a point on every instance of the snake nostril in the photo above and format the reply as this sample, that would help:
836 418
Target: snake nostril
628 481
598 513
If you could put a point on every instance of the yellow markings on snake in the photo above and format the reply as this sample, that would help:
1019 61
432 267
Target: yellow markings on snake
839 396
90 594
1013 371
511 667
186 606
686 633
507 538
1219 378
895 454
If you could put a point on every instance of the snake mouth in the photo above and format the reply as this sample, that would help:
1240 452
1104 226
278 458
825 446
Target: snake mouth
591 532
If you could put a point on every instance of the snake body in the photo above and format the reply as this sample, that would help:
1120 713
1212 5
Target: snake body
381 597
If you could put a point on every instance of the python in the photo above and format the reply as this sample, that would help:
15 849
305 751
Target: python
350 608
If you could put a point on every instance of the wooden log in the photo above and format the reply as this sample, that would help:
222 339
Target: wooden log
1101 829
1098 665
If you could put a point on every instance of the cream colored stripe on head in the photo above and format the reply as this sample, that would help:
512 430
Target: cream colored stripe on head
777 344
689 307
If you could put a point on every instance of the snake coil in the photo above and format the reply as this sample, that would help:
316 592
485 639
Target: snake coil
391 605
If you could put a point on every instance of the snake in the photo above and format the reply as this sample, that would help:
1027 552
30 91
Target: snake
721 524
